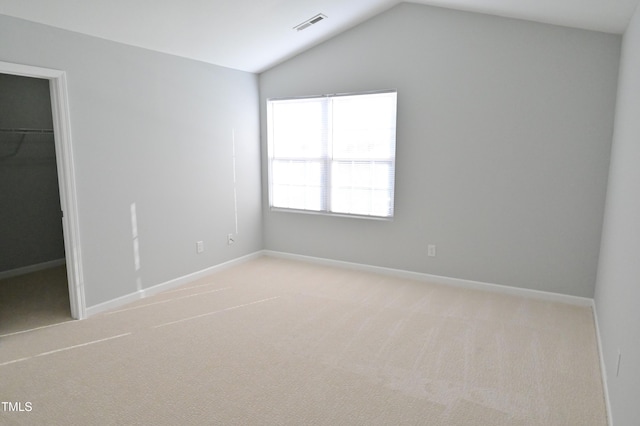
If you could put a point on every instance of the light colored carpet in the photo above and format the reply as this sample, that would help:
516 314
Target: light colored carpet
33 300
274 341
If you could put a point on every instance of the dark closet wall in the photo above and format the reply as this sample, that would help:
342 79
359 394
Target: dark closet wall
30 222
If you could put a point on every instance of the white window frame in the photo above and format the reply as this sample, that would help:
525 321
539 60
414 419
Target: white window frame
328 160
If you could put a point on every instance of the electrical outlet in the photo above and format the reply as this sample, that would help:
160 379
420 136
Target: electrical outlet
431 250
230 239
199 247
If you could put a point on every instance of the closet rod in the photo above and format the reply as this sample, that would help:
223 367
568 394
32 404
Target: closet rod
26 131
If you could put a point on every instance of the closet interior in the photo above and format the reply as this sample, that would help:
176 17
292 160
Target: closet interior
33 283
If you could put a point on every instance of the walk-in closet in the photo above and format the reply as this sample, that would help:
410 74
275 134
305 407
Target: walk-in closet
33 279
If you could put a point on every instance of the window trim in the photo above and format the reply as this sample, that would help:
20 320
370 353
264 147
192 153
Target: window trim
326 189
328 213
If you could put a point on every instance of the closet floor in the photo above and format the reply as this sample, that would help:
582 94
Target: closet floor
34 300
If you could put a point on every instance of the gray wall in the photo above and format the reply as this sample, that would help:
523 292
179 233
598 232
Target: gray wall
504 134
618 285
155 130
30 222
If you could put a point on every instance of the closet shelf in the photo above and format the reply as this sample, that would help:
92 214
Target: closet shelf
26 131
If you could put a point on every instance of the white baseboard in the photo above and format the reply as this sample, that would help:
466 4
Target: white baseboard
437 279
112 304
31 268
603 369
158 288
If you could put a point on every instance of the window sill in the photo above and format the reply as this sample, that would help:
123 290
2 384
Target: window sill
321 213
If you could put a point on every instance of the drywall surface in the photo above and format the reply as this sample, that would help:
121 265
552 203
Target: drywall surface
30 220
156 131
618 285
503 143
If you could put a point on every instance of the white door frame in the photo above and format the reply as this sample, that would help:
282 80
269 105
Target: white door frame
66 176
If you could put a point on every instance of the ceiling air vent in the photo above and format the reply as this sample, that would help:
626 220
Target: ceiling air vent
309 22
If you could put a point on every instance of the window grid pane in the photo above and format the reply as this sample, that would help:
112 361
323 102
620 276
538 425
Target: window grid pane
297 184
363 188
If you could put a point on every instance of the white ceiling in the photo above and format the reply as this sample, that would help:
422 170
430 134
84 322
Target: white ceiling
253 35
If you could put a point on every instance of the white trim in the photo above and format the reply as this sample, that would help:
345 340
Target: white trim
168 285
68 191
31 268
437 279
328 213
603 368
66 176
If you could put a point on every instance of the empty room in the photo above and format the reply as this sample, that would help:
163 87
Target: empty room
319 212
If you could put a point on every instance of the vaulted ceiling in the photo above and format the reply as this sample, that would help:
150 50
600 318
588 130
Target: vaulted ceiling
253 35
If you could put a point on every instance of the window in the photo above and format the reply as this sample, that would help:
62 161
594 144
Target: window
333 154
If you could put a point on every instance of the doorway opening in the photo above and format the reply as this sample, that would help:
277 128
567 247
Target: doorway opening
41 269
